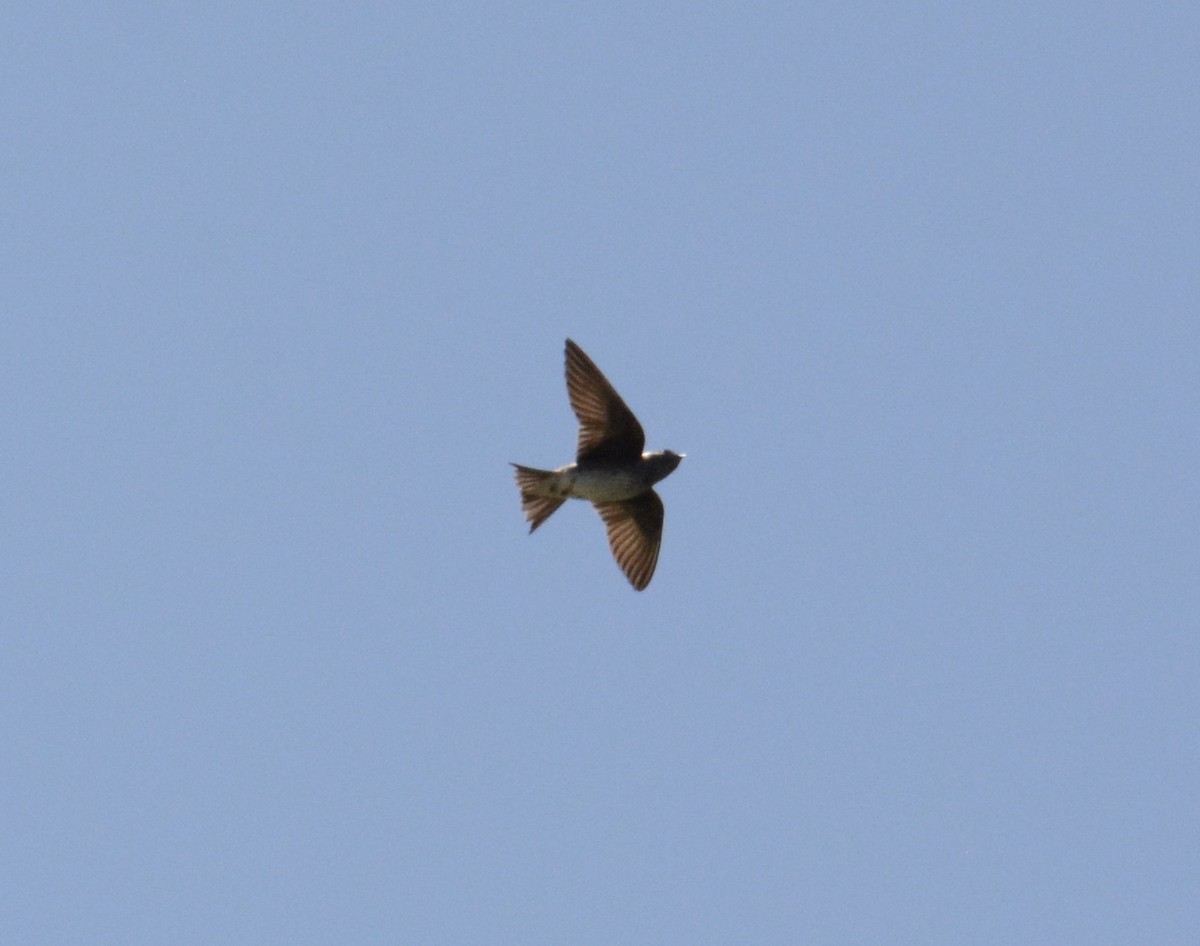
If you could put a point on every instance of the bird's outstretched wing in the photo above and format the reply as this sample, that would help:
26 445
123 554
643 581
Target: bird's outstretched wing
635 535
608 431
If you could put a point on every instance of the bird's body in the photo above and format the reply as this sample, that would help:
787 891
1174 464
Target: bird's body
604 483
610 471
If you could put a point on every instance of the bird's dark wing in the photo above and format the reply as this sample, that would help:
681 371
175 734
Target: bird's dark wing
634 535
608 431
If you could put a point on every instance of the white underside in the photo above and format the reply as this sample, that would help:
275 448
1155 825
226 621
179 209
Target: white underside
594 486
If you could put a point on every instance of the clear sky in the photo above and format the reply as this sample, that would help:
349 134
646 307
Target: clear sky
916 288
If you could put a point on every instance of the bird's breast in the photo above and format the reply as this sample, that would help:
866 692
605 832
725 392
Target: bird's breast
605 485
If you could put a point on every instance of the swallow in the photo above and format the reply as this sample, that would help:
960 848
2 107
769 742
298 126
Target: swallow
610 471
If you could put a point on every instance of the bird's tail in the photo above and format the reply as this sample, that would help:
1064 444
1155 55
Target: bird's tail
537 506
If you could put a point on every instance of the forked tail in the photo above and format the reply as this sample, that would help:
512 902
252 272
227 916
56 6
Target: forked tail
537 508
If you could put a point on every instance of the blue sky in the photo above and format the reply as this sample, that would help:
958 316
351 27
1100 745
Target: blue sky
915 288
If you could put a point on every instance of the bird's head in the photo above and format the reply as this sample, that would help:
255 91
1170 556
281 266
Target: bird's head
664 462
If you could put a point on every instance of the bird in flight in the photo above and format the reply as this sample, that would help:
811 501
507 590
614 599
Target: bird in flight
610 471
